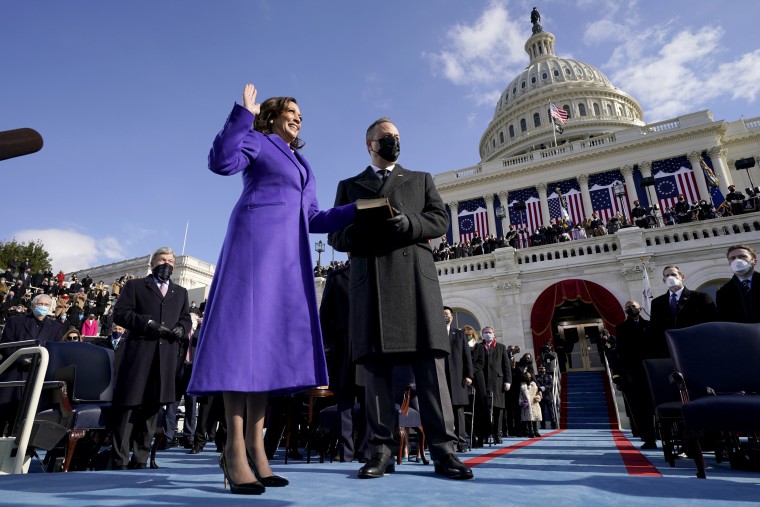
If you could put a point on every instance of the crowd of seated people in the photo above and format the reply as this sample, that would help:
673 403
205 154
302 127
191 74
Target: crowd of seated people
79 305
593 226
323 271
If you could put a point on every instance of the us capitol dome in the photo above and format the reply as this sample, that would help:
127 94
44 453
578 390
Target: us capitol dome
521 121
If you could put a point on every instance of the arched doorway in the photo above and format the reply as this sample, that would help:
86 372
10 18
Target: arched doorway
575 311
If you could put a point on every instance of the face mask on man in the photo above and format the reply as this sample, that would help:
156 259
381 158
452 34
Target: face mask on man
632 312
487 337
116 335
40 310
163 271
390 148
672 281
740 266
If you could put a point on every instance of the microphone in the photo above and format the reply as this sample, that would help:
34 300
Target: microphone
18 142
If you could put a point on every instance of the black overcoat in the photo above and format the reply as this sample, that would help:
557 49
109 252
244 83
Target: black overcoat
333 317
732 304
693 308
459 367
141 301
492 370
396 300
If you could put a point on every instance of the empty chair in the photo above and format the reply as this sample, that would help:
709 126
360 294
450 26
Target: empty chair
85 405
666 400
717 397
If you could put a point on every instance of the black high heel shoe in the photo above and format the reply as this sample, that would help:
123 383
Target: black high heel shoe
250 488
273 481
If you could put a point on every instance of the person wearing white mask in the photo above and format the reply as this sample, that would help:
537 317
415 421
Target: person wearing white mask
679 307
739 299
493 378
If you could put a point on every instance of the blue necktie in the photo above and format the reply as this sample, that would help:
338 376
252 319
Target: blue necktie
746 286
383 173
674 303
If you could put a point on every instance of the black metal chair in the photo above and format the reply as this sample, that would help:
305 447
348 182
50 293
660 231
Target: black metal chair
666 400
721 397
83 408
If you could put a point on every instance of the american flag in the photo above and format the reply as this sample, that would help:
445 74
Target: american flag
558 113
473 216
530 217
673 177
573 200
603 198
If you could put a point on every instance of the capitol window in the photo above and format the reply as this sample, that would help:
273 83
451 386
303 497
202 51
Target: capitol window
556 72
582 109
544 75
523 125
512 131
514 90
567 110
522 85
501 139
596 109
533 80
567 71
536 120
609 110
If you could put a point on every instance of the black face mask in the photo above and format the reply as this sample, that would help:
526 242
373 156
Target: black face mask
163 272
632 312
390 147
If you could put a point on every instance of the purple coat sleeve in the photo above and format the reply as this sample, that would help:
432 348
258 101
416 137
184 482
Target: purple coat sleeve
234 149
331 220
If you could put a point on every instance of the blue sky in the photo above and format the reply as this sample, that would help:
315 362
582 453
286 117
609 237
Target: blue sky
129 95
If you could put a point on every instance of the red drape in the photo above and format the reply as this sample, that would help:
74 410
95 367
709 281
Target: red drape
589 292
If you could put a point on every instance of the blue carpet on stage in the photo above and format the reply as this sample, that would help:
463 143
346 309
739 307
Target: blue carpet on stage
563 467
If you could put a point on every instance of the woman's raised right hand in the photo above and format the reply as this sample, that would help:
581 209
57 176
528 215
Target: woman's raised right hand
249 99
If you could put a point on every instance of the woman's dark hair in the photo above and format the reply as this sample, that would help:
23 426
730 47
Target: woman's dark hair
271 108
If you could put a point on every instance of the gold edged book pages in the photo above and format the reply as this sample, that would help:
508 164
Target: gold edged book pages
373 210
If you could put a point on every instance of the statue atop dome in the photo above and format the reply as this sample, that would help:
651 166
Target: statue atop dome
535 20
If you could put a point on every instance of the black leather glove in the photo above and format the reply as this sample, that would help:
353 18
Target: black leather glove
154 329
399 224
178 332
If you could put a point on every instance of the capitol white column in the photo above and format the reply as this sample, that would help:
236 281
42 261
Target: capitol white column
504 203
645 168
490 214
720 167
541 187
454 207
585 195
699 175
627 172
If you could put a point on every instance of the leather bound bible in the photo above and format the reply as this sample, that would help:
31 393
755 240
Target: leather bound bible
373 210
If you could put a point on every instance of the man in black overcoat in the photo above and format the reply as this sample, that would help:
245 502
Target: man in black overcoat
334 319
678 308
395 315
739 299
459 375
493 378
155 312
35 326
634 345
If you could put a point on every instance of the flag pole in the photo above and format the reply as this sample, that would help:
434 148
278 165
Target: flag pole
184 241
554 125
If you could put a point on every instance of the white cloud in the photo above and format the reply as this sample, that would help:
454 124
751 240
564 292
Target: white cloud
487 52
70 250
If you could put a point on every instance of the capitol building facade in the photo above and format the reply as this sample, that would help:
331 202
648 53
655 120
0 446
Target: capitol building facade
570 291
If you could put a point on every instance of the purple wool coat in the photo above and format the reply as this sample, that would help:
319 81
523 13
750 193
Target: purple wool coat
261 328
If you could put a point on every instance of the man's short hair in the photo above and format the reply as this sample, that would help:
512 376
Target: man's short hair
486 327
748 248
36 299
449 309
672 266
161 251
371 128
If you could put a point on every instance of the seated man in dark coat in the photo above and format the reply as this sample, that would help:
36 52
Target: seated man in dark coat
35 326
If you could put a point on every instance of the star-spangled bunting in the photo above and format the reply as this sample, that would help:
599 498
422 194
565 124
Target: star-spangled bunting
530 217
671 178
573 198
473 216
603 198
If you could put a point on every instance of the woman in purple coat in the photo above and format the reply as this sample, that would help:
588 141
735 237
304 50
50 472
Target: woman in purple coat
264 281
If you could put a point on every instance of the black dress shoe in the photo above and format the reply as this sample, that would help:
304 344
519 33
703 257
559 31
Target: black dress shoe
498 440
197 449
153 465
649 445
377 466
450 466
136 466
461 448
